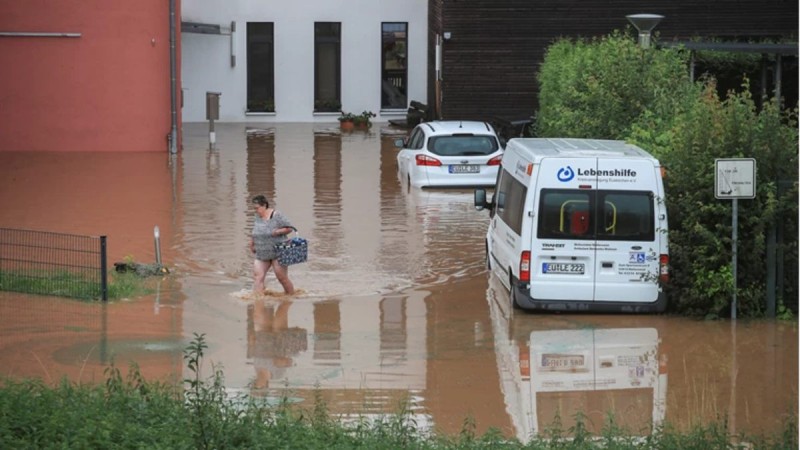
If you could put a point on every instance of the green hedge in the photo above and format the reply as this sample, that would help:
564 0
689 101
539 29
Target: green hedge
610 88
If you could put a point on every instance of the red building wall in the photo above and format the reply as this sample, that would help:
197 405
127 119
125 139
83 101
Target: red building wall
107 90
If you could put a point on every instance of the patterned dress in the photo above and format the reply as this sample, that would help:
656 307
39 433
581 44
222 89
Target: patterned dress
262 235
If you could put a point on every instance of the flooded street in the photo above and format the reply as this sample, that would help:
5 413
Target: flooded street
393 305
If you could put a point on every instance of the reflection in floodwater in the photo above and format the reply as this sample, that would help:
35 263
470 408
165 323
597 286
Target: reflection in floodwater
597 373
395 308
271 343
328 194
643 370
556 375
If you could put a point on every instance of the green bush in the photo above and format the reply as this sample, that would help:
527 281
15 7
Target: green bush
599 88
610 88
701 243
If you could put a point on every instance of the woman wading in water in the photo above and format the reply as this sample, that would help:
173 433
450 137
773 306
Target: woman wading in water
269 228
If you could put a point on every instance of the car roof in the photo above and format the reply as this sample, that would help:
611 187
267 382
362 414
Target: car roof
447 127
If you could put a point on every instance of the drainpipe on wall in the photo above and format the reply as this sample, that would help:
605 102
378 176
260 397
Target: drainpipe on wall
173 82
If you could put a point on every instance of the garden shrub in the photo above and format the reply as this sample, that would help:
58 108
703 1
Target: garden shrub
599 88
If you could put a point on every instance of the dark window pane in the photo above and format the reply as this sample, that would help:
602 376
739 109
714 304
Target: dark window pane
260 67
327 66
627 216
566 214
602 215
462 145
394 75
511 201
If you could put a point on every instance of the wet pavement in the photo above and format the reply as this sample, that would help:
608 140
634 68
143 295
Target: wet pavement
394 305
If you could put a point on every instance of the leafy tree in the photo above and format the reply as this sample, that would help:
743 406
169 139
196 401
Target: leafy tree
599 88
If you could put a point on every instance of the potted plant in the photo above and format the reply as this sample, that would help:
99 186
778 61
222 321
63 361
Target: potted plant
347 121
363 120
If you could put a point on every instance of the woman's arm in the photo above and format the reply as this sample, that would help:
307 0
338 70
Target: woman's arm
284 226
281 231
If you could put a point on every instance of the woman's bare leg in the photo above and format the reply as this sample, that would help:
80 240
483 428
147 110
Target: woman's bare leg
282 274
259 273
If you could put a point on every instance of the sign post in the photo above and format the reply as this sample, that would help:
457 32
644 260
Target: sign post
734 178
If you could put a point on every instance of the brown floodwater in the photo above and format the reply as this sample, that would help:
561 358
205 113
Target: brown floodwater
394 306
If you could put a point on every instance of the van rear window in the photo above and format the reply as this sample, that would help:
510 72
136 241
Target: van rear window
596 215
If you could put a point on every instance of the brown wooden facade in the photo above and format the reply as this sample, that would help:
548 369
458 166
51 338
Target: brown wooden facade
490 62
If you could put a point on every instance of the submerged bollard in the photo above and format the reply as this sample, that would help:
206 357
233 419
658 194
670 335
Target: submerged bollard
157 239
212 114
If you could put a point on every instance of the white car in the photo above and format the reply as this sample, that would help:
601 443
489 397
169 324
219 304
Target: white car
450 153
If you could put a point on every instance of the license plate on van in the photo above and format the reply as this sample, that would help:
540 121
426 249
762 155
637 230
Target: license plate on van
553 362
465 168
567 268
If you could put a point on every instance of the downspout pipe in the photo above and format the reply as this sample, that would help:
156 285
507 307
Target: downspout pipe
173 83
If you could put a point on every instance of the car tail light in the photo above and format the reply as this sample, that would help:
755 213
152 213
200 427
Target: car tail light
663 268
525 267
425 160
495 161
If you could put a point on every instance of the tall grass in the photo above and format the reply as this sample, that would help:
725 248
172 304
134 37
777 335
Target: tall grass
129 285
130 412
75 285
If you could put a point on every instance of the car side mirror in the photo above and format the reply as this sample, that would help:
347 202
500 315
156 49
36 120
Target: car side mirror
480 200
400 143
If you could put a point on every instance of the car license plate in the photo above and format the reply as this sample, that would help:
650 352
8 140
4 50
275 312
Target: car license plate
568 268
556 362
465 168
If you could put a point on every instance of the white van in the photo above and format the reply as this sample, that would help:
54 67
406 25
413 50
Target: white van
578 225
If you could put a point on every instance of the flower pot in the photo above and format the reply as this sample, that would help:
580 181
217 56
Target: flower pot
346 125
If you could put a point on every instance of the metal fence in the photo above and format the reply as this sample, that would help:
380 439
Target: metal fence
46 263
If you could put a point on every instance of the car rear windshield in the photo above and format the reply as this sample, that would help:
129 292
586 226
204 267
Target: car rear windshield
462 145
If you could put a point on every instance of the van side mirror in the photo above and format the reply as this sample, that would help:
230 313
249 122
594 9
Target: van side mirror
400 143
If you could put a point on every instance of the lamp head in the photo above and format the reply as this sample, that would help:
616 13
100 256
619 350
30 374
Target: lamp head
644 23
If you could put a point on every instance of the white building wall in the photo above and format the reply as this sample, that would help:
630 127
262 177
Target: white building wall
206 58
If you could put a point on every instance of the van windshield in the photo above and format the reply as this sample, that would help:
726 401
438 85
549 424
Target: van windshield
596 215
462 145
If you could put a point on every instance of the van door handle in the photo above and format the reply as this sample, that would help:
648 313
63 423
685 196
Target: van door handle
608 265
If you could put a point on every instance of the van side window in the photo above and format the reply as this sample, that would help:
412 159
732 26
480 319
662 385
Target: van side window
596 215
511 193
